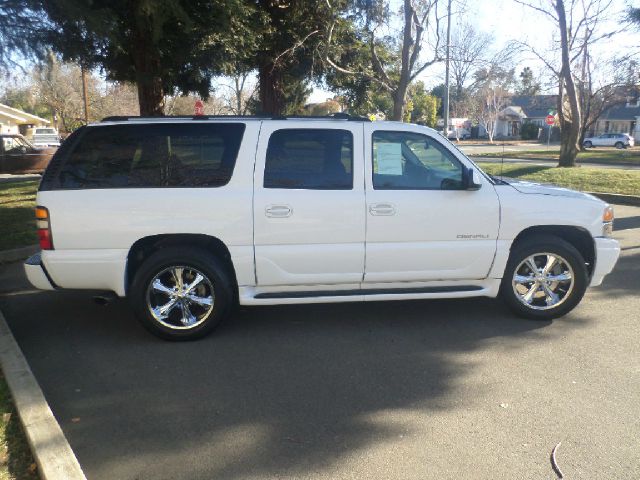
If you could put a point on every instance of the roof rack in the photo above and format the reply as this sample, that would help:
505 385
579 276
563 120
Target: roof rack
334 116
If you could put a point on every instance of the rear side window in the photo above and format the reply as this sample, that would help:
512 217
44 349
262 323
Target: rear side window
313 159
160 155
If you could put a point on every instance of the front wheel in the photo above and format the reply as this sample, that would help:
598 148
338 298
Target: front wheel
545 278
181 294
619 145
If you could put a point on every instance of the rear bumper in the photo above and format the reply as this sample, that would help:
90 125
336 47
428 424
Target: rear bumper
607 253
36 273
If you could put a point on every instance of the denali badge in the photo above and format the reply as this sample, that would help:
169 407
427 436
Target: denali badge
478 235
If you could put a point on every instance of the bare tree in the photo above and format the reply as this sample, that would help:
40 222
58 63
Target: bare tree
491 101
578 26
608 90
239 93
420 34
470 51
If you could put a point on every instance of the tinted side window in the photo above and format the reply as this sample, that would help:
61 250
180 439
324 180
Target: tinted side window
160 155
411 161
309 159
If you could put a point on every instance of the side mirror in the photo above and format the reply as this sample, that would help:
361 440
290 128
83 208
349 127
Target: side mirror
471 179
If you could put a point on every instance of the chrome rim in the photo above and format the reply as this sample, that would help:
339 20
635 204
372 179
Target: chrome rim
543 281
180 297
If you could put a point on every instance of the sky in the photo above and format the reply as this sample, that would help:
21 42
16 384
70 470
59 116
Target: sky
507 20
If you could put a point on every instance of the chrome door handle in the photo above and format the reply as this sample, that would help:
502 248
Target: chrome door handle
382 209
278 211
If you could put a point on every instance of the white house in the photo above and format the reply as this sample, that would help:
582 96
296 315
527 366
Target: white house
13 120
524 109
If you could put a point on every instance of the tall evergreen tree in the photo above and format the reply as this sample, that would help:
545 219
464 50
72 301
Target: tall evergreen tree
163 46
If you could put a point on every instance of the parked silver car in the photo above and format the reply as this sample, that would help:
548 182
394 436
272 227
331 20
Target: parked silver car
618 140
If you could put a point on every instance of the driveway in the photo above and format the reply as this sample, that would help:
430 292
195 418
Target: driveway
393 390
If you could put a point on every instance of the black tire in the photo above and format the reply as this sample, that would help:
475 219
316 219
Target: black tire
216 288
544 244
619 145
587 144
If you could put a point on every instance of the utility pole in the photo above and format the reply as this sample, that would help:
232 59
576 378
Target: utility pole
83 73
445 102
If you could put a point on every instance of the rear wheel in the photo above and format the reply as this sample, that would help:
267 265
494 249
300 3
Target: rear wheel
545 278
588 144
619 145
180 294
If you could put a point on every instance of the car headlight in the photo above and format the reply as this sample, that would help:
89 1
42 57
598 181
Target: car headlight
607 221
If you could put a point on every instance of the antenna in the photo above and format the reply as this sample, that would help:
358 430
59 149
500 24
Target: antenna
502 163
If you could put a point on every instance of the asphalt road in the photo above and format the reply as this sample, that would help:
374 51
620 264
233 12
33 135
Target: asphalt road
470 147
395 390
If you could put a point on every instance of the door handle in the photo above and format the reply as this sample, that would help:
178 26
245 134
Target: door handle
382 209
278 211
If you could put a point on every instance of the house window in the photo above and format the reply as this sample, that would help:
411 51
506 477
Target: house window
632 128
606 127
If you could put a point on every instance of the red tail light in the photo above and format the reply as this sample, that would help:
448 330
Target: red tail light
44 228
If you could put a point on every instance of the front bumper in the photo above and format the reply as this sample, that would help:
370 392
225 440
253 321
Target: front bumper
607 253
36 273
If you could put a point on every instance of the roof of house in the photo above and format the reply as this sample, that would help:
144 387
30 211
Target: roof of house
534 106
621 112
19 114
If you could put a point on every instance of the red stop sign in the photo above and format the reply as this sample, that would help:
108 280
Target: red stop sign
550 119
199 107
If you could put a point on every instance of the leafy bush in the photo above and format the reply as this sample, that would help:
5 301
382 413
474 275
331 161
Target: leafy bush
529 131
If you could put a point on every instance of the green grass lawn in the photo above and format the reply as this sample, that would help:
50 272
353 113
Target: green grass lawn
589 179
17 220
629 156
16 462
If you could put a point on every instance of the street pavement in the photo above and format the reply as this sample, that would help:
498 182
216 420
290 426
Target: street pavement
393 390
499 147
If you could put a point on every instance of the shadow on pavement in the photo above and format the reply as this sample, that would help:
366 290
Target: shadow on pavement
275 391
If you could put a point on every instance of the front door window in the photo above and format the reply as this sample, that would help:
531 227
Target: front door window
412 161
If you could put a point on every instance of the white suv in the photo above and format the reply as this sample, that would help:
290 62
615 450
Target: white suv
188 216
618 140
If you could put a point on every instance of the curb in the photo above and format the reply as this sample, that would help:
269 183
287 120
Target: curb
617 198
7 256
52 453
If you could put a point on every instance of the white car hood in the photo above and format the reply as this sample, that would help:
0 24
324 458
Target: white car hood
526 187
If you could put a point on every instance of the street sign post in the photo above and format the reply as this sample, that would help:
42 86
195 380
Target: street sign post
198 108
550 120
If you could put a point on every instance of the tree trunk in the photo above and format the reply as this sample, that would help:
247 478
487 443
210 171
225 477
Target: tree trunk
399 100
150 95
272 101
400 93
569 125
146 61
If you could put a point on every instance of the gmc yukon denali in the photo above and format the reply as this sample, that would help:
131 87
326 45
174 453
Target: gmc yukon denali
188 216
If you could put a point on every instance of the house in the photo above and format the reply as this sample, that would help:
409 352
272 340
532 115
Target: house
524 109
13 120
619 119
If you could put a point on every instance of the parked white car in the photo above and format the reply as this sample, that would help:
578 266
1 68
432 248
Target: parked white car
187 216
618 140
45 137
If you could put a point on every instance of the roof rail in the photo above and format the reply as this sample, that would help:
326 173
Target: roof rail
334 116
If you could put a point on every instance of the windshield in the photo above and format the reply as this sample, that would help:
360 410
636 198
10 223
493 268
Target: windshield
15 143
45 131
